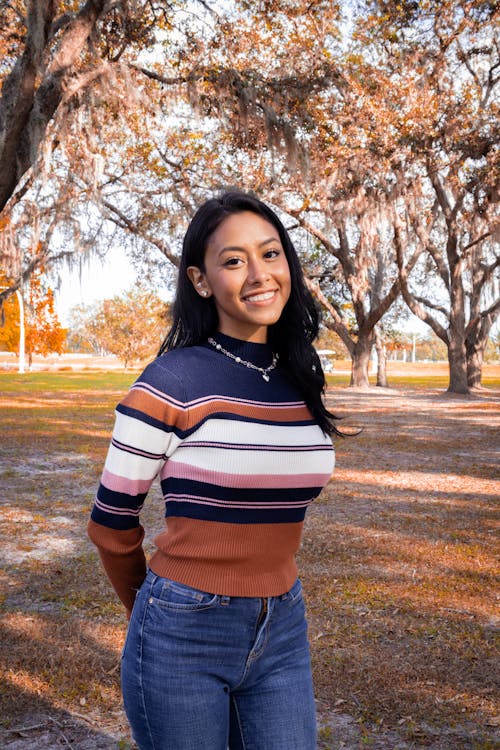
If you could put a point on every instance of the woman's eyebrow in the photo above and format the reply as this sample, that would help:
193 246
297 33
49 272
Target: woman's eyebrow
234 248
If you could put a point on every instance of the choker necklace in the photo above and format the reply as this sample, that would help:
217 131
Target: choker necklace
264 371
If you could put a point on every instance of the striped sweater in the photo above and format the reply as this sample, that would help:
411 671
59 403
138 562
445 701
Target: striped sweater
238 458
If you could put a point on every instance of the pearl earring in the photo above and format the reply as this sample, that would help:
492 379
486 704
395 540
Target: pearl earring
204 293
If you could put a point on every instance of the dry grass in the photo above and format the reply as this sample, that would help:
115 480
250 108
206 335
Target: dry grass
399 565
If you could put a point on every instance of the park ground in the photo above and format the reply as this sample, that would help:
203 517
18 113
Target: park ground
399 563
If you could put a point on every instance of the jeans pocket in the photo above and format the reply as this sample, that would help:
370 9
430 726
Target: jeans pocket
169 594
295 593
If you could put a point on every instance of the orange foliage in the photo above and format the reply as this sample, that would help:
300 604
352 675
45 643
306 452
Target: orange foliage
9 320
44 333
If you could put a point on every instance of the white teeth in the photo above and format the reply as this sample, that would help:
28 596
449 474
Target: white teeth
260 297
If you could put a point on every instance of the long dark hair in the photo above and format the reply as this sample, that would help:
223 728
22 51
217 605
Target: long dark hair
195 318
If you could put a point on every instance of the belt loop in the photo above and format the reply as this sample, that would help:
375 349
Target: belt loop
152 580
225 600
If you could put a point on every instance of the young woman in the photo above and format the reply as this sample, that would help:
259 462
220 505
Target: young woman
230 416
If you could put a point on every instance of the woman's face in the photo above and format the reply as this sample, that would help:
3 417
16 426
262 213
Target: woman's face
247 273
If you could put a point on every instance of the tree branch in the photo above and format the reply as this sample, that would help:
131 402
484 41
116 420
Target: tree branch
26 108
416 308
490 313
337 324
120 219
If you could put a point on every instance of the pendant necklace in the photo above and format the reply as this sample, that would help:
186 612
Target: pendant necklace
264 371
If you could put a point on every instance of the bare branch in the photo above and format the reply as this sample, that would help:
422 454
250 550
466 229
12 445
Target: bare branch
474 242
336 323
416 308
120 219
429 303
490 313
380 310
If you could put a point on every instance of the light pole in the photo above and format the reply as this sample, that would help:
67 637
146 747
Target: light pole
22 335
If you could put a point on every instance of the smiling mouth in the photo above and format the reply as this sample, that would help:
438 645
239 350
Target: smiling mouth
262 297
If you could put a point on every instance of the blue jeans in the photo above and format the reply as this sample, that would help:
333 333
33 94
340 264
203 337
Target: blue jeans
207 672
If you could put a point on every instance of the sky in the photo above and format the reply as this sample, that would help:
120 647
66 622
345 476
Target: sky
101 279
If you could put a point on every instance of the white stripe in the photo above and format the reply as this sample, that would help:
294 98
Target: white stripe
252 433
256 462
130 466
250 402
139 434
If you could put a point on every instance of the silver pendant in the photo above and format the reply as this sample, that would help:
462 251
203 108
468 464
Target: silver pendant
265 376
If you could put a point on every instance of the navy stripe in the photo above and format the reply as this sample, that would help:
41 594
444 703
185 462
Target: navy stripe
190 487
261 448
254 420
113 521
120 499
235 515
136 451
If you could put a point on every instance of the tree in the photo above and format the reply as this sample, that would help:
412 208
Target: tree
308 159
130 325
44 333
364 260
345 141
431 348
442 139
406 127
84 329
70 73
54 52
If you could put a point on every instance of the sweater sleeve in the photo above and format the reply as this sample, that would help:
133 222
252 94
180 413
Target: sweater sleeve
148 428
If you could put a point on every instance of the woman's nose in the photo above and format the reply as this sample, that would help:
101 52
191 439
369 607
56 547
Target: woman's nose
257 271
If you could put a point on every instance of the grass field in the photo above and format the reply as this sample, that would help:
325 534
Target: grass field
399 563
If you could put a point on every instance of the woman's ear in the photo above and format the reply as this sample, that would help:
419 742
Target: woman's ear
198 280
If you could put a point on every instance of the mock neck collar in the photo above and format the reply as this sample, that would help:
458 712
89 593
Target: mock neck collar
258 354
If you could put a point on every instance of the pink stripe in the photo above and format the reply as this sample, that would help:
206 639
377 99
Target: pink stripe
178 470
231 504
144 386
121 484
117 511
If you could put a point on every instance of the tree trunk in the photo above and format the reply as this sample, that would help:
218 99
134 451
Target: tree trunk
457 362
475 344
475 366
381 364
32 91
361 361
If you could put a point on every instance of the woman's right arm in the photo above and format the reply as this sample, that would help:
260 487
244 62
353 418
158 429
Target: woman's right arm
144 436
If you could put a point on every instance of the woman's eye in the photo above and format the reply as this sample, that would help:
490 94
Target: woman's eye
233 262
272 253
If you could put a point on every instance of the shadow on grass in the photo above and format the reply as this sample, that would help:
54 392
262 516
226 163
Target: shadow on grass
397 563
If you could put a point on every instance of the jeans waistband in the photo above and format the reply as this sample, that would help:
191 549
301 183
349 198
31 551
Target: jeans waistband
293 592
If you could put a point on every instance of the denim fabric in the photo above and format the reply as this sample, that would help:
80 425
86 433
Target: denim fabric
207 672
